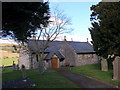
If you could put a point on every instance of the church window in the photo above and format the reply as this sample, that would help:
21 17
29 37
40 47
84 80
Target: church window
37 58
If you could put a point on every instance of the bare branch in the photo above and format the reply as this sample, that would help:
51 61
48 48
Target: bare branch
39 34
57 26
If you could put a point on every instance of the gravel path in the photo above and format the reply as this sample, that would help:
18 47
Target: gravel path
83 81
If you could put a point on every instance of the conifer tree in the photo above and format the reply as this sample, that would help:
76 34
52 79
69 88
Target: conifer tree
20 20
105 30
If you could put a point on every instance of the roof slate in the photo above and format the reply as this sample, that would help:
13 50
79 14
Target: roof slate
79 47
82 47
50 55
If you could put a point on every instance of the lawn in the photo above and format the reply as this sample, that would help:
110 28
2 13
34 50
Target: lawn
95 72
8 61
48 80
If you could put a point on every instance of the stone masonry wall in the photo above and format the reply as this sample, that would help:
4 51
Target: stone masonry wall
35 63
69 54
24 58
77 59
84 59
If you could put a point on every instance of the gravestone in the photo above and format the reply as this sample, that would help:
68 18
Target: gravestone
104 64
116 69
14 66
17 67
23 71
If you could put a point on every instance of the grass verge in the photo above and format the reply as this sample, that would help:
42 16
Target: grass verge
48 80
95 72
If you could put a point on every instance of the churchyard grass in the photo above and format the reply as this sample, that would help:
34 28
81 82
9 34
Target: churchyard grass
95 72
8 61
50 79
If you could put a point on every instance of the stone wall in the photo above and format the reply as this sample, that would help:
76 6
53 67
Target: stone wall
69 54
84 59
24 57
47 64
76 59
35 63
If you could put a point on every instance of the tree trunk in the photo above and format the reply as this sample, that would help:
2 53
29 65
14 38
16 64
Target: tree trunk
104 64
42 67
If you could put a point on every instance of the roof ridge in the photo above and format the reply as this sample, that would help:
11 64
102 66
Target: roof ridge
60 41
78 41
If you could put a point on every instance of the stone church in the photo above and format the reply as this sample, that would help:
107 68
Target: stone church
58 54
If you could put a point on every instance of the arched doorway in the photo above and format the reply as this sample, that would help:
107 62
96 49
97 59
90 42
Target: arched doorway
54 62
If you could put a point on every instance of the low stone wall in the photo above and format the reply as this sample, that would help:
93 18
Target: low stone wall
84 59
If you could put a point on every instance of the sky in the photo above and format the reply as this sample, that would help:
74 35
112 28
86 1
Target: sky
79 13
9 41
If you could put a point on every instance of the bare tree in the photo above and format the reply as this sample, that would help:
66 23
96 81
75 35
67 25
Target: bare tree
57 25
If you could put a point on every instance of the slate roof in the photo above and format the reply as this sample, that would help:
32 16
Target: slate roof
53 46
79 47
82 47
53 49
58 53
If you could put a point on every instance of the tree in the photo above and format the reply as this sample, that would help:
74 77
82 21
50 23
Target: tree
105 30
34 24
58 25
21 20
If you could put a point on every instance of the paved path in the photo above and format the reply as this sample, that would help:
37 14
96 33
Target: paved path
83 81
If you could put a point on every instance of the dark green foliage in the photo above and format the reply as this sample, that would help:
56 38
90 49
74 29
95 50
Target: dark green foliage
20 20
105 30
110 65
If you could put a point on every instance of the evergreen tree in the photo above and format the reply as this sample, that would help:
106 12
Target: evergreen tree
105 30
20 20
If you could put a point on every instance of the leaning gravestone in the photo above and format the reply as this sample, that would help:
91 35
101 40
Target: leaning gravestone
104 65
116 69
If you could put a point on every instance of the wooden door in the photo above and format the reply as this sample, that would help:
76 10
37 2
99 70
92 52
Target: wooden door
55 63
